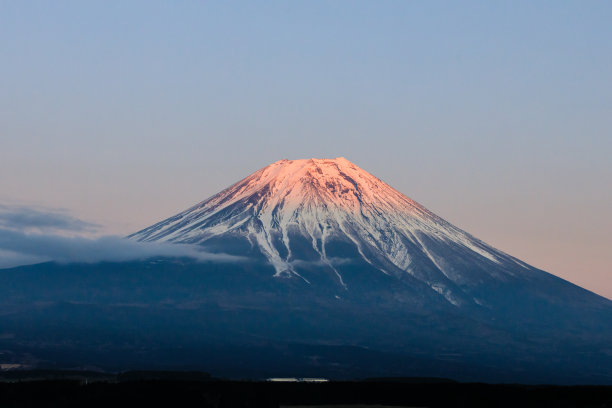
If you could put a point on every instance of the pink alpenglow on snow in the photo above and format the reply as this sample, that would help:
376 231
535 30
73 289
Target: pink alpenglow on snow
314 202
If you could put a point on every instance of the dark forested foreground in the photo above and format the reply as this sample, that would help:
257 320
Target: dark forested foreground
199 390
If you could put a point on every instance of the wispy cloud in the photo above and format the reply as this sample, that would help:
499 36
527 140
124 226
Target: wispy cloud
333 261
32 235
29 218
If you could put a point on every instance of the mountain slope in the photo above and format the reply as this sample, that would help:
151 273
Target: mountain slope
305 215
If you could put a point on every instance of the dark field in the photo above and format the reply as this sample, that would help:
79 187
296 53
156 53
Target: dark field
73 389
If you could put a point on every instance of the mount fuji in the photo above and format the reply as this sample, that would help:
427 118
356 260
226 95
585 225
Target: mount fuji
334 273
311 218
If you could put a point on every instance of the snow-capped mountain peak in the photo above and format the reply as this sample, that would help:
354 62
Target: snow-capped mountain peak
319 182
326 212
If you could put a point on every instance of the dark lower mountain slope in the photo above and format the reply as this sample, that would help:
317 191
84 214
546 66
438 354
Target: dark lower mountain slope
240 321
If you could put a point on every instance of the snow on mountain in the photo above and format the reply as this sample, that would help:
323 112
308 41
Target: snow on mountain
328 200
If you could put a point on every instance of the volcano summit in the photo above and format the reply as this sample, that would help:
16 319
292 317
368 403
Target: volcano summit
338 275
319 216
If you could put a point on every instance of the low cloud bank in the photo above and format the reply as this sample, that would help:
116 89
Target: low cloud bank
32 235
18 248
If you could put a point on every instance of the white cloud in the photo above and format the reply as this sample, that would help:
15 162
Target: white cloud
29 235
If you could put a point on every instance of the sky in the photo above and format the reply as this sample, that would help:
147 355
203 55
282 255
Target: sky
497 116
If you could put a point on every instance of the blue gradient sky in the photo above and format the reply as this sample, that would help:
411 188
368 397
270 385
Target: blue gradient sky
495 115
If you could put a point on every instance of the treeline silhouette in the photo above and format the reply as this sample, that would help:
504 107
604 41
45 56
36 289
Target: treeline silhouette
197 389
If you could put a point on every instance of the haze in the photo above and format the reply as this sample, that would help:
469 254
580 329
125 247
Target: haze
496 116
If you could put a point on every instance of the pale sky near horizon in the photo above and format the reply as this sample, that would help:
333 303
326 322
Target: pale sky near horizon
497 116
